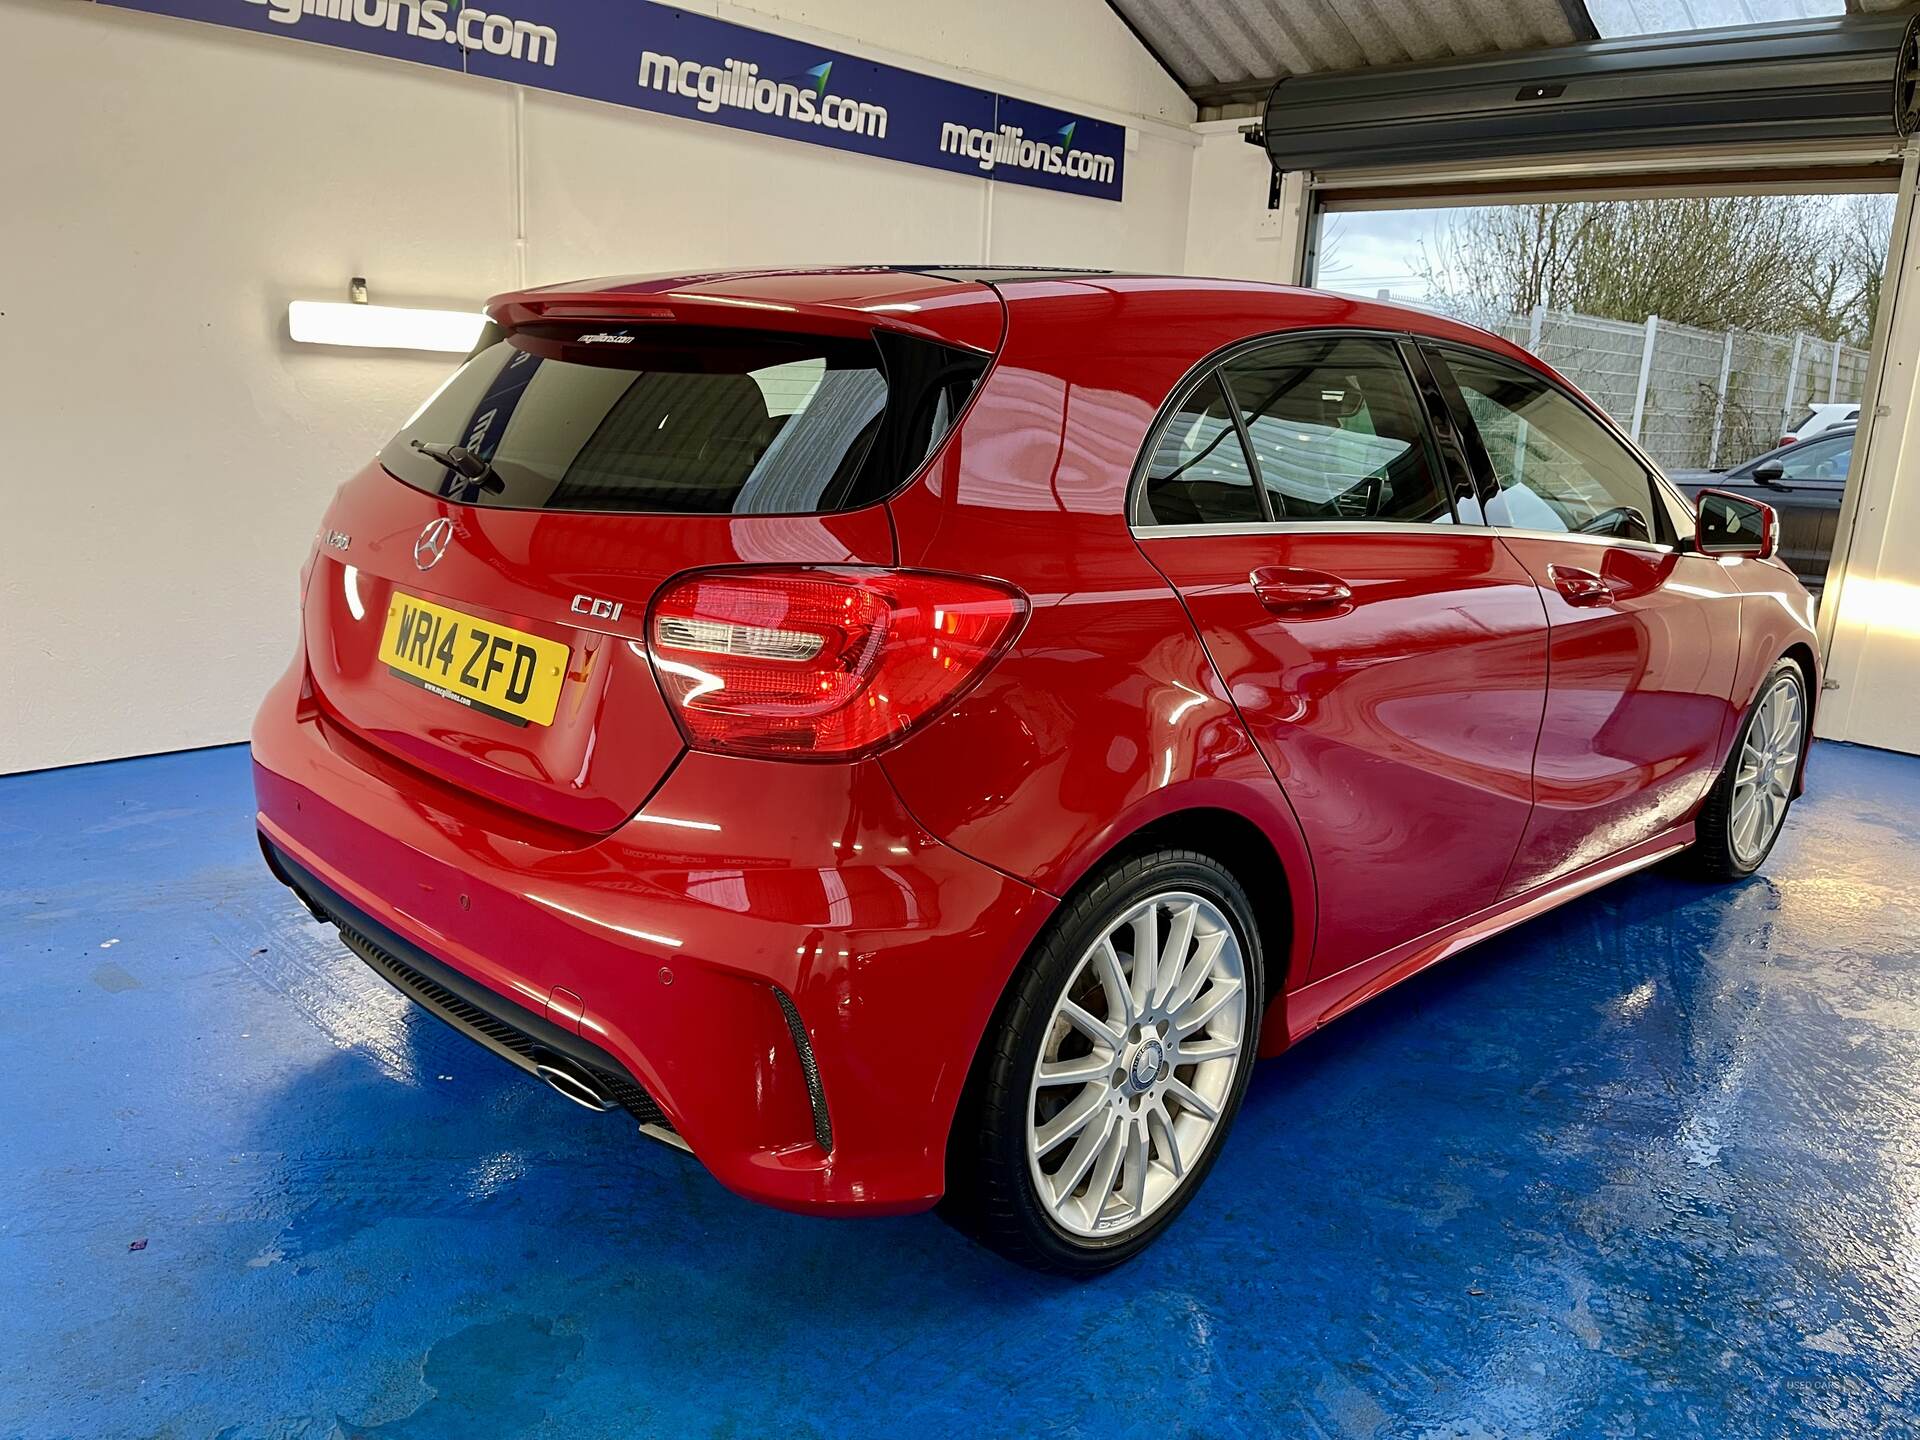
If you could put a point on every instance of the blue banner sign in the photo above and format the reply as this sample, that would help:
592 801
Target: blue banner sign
674 62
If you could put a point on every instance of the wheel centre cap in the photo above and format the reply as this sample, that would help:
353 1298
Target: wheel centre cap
1146 1064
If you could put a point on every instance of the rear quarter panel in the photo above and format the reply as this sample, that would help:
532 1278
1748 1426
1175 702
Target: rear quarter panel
1106 714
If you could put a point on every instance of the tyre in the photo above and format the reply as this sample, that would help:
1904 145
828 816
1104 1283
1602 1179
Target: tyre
1113 1068
1748 804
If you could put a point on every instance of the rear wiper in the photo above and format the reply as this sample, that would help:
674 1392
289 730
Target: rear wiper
469 465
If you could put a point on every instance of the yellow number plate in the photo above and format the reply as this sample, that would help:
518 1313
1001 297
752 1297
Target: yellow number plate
502 672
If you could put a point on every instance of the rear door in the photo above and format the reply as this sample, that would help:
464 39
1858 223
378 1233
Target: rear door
1387 653
1645 638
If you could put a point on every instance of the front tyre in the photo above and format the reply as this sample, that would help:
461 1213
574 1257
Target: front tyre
1744 812
1114 1067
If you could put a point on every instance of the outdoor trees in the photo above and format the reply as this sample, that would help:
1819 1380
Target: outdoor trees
1769 263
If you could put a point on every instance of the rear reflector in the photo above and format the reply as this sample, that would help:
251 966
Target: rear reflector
830 663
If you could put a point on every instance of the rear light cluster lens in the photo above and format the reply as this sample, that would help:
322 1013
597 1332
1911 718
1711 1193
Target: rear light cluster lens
822 663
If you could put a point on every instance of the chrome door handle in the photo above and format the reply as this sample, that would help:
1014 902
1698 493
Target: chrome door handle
1286 590
1579 587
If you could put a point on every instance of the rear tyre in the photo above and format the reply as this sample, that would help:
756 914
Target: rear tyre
1113 1069
1747 806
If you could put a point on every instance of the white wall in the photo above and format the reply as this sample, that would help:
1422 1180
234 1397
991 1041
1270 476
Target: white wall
170 186
1872 601
1231 232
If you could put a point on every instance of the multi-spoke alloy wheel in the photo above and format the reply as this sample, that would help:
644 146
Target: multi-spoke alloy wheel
1138 1062
1744 811
1115 1065
1763 777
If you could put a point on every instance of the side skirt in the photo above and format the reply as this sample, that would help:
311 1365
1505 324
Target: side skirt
1294 1016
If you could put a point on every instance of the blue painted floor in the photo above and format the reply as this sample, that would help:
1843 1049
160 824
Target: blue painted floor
1649 1166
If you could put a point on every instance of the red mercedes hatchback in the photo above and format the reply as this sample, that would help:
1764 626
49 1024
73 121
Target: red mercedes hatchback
913 735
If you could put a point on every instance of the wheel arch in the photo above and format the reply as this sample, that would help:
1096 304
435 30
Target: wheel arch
1276 875
1801 653
1273 870
1249 854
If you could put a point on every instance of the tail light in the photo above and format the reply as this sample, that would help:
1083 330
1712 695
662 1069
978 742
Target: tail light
806 664
1789 439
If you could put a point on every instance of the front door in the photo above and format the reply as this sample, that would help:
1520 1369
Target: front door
1645 637
1389 659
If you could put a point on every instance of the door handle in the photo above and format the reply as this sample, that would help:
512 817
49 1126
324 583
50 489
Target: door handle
1286 590
1580 587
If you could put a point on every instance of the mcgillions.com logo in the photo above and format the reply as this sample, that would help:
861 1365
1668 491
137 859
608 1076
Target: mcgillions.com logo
469 27
736 85
1009 146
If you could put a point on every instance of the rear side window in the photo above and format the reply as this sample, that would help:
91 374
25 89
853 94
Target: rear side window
1337 431
1198 473
684 420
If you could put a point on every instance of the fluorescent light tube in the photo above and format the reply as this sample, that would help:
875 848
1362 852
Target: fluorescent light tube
382 327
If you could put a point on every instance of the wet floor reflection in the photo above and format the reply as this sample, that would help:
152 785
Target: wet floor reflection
1649 1166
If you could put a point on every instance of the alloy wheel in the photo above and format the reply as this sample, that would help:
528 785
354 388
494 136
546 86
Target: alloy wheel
1138 1064
1763 778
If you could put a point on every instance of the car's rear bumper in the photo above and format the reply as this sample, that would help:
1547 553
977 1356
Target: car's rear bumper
517 1035
751 910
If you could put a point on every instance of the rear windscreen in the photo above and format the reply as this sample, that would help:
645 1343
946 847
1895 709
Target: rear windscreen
684 420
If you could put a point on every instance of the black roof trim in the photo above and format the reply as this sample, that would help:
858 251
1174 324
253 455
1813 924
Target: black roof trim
995 274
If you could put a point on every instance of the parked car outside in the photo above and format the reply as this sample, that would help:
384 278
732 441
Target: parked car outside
1805 483
1819 419
914 737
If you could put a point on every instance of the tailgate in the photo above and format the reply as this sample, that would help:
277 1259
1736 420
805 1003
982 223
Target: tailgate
511 573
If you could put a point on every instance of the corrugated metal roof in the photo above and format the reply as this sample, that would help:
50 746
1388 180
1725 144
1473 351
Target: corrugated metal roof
1212 43
1212 46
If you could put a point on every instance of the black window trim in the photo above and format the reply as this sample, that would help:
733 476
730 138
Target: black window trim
1434 352
1211 367
1246 439
1457 468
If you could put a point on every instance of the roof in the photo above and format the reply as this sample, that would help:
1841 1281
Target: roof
1211 45
1225 50
966 306
1237 308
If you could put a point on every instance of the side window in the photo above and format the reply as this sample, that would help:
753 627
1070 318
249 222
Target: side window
1198 473
1337 431
1556 467
1823 460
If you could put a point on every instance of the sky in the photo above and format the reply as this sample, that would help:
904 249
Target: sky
1365 252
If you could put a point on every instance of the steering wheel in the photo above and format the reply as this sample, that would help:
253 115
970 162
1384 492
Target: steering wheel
1624 521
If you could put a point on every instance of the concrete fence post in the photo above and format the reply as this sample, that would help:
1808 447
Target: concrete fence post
1790 407
1720 403
1646 372
1536 325
1833 375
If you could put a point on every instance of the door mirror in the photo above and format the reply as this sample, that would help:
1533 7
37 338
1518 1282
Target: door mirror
1730 524
1771 473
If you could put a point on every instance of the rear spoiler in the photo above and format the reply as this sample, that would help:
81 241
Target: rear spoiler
969 325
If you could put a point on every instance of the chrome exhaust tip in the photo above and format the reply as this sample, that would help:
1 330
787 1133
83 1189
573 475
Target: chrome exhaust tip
573 1081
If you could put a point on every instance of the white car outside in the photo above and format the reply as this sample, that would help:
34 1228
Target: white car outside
1817 419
